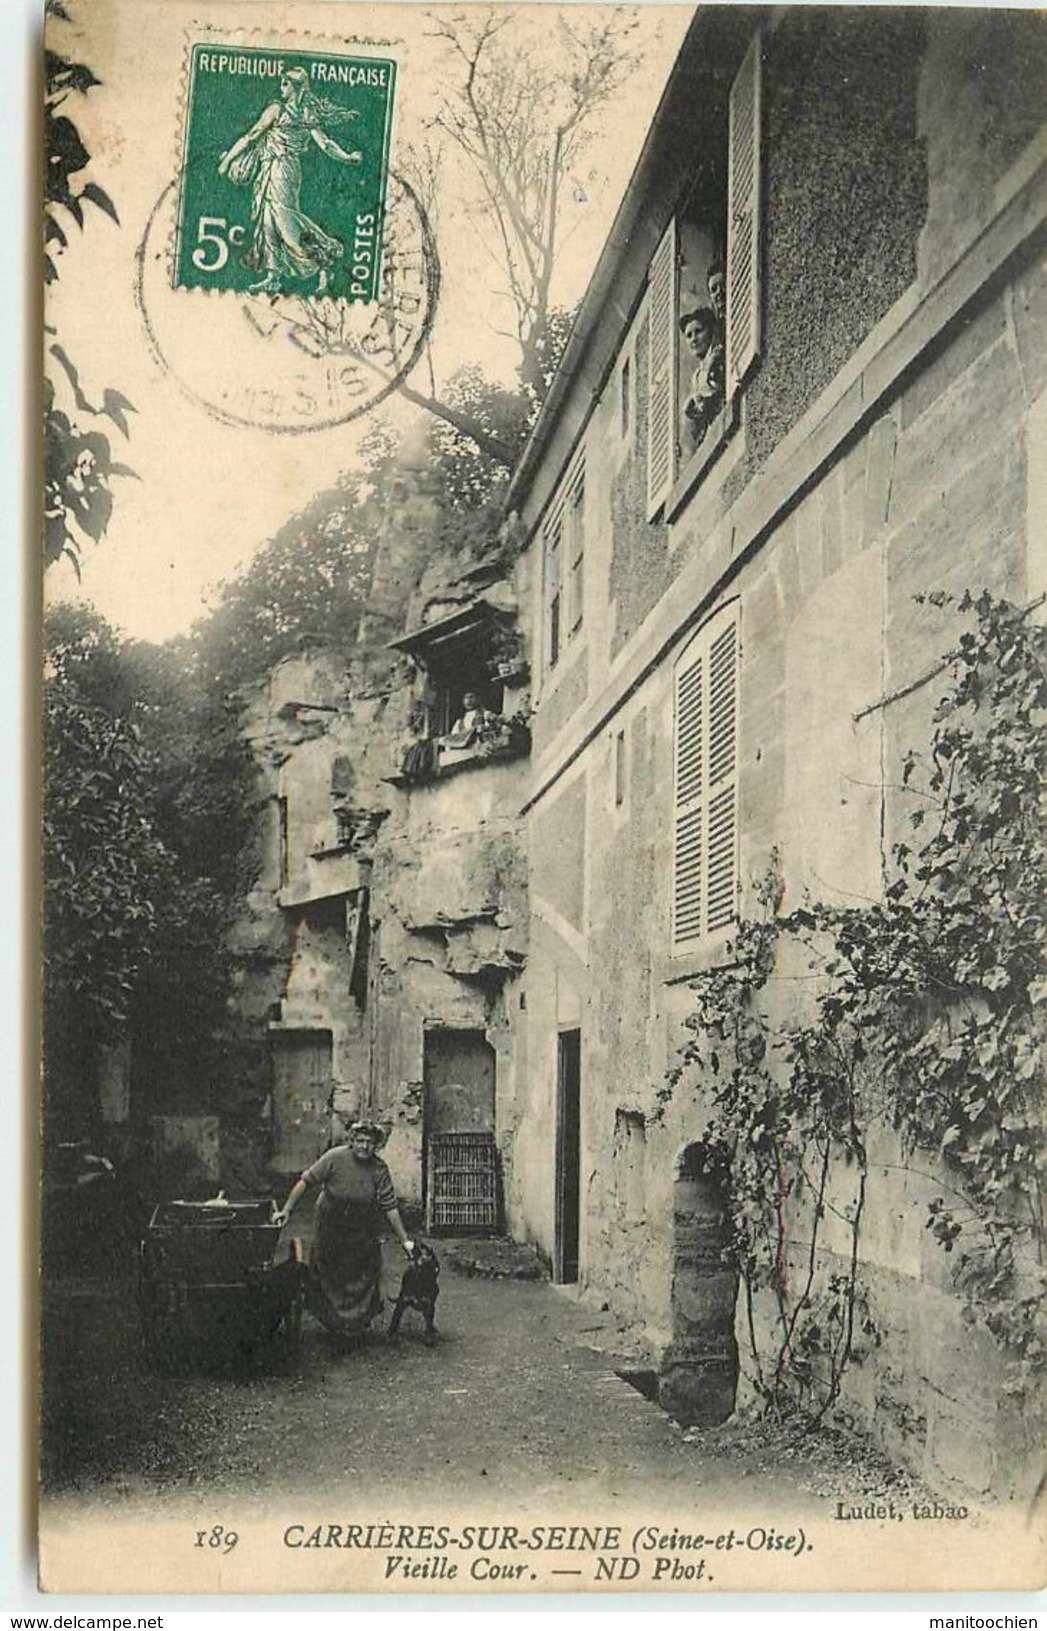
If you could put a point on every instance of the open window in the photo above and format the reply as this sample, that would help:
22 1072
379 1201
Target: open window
703 300
472 697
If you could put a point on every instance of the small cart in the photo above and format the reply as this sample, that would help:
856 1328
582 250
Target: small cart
217 1283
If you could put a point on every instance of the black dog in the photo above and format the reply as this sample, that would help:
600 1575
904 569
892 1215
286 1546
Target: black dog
419 1289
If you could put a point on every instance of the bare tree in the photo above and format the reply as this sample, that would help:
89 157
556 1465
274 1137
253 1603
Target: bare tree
522 107
524 113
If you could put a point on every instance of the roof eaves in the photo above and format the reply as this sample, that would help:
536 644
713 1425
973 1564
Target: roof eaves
473 615
599 286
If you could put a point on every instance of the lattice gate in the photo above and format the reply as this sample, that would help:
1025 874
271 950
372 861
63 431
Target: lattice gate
462 1189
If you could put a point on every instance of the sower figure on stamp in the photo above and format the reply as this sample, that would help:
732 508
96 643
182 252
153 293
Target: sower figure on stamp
285 243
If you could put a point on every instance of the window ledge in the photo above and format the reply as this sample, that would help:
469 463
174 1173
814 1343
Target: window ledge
680 967
512 741
343 875
703 457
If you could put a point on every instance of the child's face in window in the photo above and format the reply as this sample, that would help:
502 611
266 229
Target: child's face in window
698 337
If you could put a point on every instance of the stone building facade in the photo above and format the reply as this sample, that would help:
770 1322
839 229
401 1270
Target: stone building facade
387 923
727 652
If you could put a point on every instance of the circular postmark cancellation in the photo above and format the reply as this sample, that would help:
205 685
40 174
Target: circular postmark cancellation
287 278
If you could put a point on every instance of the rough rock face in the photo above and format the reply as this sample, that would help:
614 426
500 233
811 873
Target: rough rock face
382 913
458 879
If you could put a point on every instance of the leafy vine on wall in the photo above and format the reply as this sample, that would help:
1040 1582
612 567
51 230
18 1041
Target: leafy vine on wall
923 1012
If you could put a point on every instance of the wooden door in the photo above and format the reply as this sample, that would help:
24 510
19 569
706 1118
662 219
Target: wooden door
302 1084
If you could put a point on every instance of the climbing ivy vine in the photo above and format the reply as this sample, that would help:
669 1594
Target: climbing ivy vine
923 1012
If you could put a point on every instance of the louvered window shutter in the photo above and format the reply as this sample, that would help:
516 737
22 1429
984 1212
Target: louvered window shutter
743 220
553 589
721 822
705 837
661 372
576 563
688 812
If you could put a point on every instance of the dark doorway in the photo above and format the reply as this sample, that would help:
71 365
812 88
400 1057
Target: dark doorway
699 1378
568 1154
302 1084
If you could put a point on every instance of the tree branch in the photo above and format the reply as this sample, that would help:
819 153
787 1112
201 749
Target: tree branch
490 445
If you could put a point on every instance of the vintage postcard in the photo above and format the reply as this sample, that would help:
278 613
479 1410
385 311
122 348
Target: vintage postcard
544 689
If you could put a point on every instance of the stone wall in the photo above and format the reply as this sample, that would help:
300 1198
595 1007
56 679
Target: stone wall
845 198
936 489
981 105
845 195
449 894
886 150
640 564
436 870
558 854
565 692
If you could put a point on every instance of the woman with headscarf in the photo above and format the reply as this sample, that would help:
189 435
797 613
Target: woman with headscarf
355 1197
285 243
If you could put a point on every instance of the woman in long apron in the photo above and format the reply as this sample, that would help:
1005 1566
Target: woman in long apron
356 1197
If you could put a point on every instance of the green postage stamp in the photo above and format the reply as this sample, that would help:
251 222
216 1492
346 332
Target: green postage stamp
284 168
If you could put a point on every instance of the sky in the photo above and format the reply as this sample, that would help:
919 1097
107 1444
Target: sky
206 495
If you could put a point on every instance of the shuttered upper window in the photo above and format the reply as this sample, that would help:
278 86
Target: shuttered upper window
743 219
575 522
704 299
705 782
564 564
661 373
553 569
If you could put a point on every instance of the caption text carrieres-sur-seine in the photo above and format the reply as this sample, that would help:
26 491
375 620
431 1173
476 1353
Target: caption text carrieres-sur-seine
491 1552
